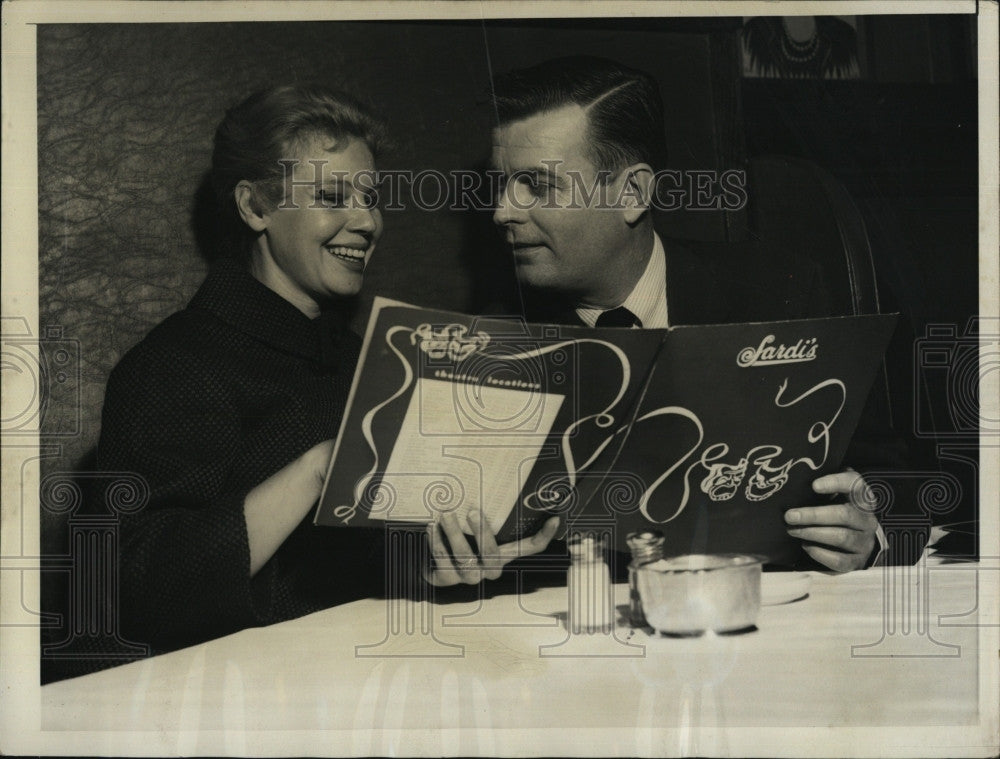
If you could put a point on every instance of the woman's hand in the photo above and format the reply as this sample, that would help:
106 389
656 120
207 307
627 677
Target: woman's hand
462 565
275 507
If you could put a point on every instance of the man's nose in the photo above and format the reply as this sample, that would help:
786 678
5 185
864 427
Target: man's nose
506 212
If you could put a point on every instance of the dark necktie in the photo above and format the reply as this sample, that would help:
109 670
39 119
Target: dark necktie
618 317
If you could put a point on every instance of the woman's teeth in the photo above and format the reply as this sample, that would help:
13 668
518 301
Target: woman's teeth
350 254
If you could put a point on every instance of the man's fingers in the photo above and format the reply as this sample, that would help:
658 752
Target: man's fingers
841 482
835 560
838 536
850 484
834 514
843 538
528 546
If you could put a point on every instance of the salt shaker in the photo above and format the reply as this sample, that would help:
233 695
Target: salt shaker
589 581
646 547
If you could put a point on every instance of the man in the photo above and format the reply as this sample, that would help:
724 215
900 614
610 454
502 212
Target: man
577 144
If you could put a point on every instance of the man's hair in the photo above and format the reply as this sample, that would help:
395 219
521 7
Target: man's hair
623 105
272 125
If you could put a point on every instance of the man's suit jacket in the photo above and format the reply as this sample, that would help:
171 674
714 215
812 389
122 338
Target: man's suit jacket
719 283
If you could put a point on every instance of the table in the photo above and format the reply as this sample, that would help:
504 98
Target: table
870 650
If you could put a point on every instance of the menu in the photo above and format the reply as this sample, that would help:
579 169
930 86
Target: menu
706 433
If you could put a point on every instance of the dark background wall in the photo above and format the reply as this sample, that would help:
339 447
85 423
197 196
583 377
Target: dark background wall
127 112
902 138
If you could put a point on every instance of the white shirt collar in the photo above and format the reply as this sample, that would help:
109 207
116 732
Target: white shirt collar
648 299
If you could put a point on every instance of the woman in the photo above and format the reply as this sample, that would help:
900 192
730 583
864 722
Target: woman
228 407
225 406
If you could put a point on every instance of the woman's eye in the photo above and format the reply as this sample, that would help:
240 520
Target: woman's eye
330 199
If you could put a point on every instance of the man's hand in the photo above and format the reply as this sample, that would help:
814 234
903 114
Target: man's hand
840 536
462 565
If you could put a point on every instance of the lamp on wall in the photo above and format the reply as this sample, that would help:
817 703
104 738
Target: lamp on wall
824 47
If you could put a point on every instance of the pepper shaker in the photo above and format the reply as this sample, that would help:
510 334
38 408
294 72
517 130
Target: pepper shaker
646 547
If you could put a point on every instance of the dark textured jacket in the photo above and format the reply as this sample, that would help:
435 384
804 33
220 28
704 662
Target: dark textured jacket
212 402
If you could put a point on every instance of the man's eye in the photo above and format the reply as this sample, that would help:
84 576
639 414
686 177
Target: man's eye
539 189
533 186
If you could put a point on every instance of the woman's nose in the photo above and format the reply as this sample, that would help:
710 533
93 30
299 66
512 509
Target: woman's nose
366 221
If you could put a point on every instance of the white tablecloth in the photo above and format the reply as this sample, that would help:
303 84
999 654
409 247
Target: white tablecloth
865 650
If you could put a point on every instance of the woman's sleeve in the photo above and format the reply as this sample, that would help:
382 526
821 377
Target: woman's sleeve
184 557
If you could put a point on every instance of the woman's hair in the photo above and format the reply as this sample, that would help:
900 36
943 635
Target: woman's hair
267 127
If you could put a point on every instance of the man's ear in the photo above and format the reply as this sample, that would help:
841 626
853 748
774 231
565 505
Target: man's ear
248 207
637 191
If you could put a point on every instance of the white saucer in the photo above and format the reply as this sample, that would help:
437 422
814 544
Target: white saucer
782 587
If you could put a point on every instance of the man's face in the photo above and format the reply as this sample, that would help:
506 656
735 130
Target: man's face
561 239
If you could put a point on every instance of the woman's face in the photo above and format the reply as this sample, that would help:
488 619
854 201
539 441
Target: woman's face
317 241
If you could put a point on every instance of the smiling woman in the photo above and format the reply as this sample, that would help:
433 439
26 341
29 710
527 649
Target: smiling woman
227 408
313 246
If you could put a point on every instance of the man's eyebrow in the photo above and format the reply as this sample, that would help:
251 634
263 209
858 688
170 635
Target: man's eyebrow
542 172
